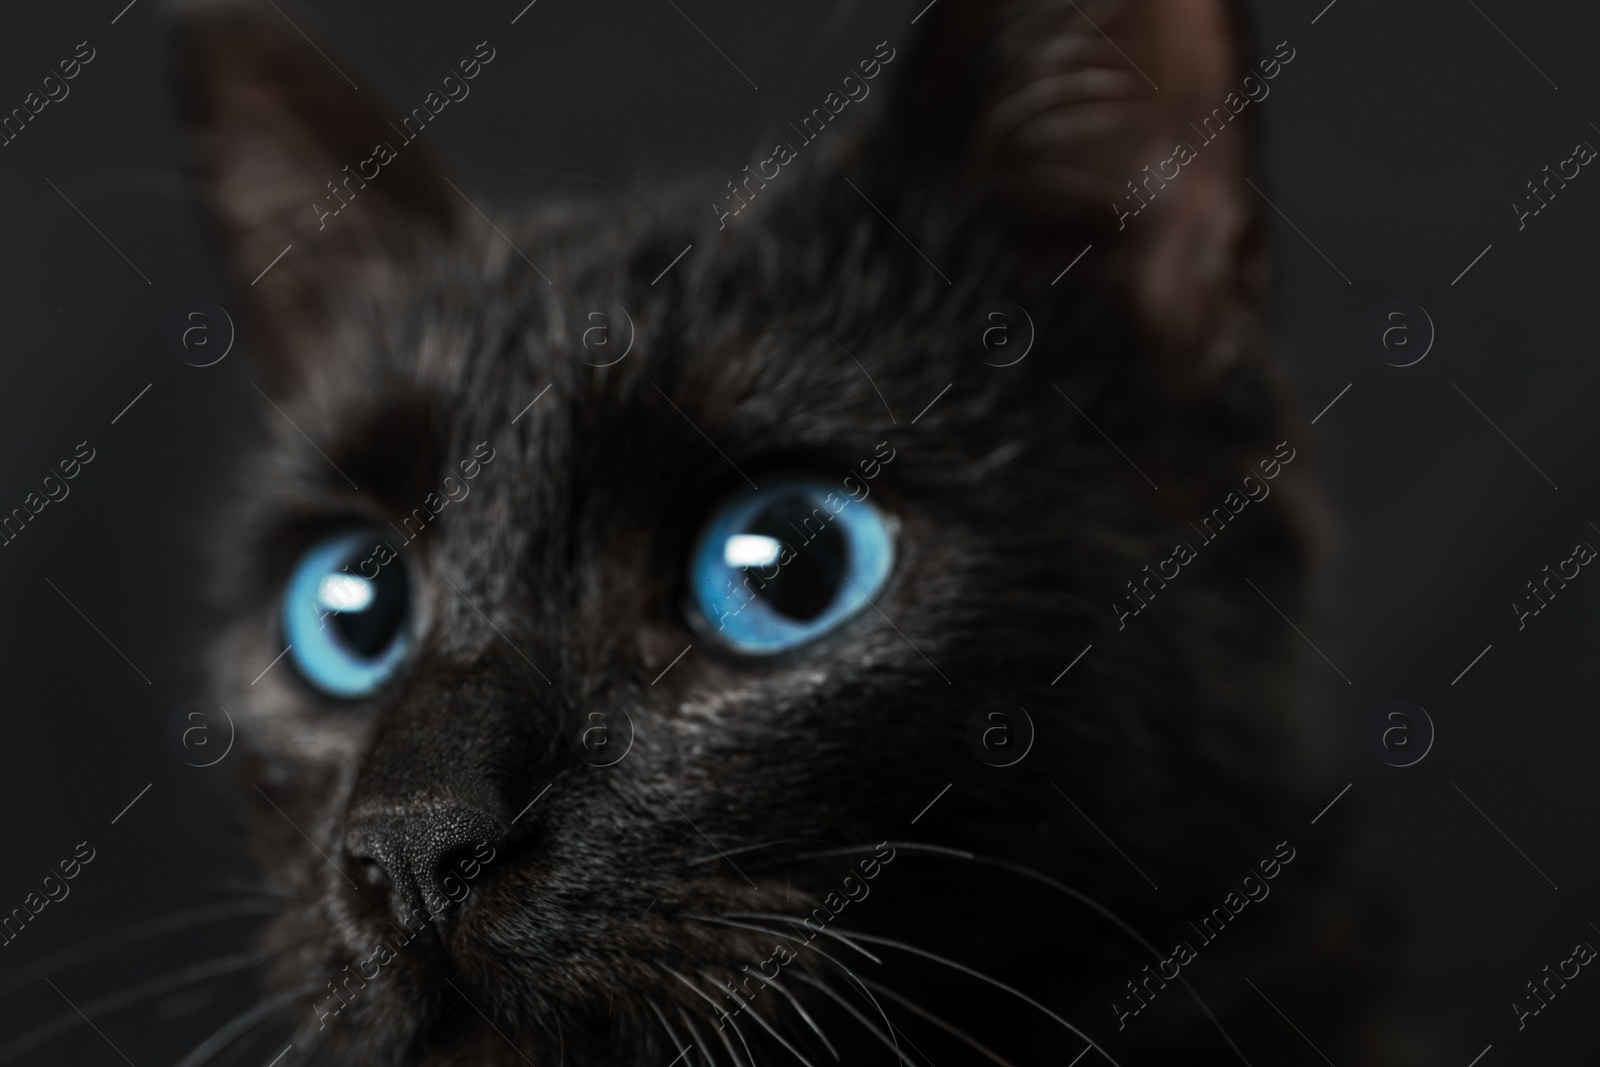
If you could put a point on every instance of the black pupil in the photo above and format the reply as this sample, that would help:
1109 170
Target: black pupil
369 629
809 582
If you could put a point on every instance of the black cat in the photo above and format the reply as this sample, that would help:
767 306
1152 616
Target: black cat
618 646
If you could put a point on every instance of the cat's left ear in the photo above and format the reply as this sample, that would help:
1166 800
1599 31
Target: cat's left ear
314 186
1128 125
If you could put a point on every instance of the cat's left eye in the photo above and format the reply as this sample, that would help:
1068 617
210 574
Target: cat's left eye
347 614
780 566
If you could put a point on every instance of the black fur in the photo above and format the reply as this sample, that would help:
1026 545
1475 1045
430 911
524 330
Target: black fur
409 331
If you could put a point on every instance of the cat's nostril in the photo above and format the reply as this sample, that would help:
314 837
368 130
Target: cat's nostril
456 870
426 858
372 872
376 850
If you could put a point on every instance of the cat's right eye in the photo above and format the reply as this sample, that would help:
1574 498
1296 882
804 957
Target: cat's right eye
347 614
780 566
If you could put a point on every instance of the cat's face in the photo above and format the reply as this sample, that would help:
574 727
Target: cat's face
566 719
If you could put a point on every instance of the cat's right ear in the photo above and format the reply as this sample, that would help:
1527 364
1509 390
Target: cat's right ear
1125 125
313 186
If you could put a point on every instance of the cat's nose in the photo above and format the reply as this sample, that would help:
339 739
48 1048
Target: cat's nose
426 858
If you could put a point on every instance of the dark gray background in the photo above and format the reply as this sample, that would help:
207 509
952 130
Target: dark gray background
1397 140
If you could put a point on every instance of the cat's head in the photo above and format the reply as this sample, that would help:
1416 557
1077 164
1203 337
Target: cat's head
611 581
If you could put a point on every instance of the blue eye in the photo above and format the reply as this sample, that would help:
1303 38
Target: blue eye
778 567
347 614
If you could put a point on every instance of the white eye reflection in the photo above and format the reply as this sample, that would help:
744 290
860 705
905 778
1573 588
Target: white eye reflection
344 592
751 550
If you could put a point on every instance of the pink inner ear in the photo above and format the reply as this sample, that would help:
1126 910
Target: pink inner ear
1126 126
276 136
1105 90
1186 265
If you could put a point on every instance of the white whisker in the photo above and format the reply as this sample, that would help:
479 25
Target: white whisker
800 1008
1044 879
697 991
699 1042
964 969
859 1017
135 994
793 919
171 922
238 1026
751 1011
851 975
672 1037
821 930
918 1009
